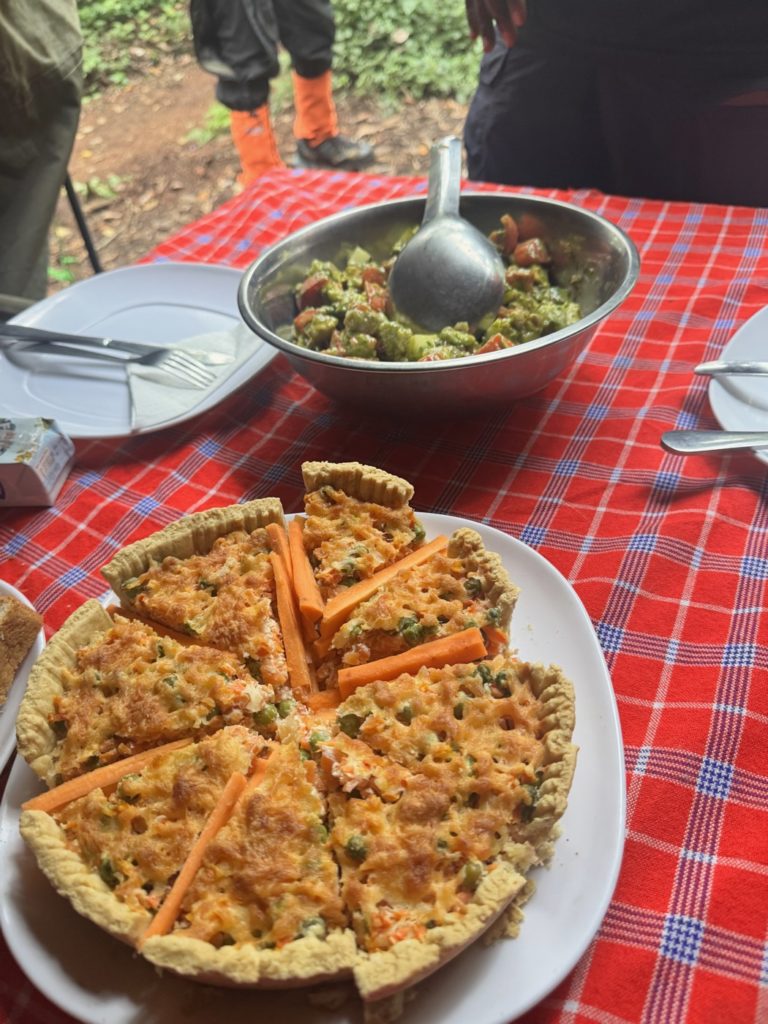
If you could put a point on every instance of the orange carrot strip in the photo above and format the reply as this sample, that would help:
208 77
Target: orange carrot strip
257 775
164 919
99 778
456 649
298 669
323 700
497 638
278 541
341 606
311 604
321 646
308 631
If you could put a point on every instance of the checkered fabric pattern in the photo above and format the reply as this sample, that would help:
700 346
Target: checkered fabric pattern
669 556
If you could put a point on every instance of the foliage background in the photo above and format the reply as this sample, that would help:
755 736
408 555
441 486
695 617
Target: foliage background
399 48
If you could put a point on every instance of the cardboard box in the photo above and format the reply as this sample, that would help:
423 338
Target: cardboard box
35 458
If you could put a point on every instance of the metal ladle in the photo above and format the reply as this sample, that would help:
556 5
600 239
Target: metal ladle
448 272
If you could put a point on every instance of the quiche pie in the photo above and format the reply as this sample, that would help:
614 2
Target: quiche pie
457 588
113 852
103 690
358 520
298 753
208 577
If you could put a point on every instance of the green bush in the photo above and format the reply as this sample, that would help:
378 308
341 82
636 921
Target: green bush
125 36
407 47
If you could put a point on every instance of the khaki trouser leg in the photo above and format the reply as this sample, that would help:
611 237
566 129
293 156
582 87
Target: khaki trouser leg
32 172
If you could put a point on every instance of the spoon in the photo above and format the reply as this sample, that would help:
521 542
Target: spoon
449 272
691 442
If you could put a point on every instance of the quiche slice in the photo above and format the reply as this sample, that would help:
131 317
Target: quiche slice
265 907
448 788
103 690
114 852
208 577
358 520
455 589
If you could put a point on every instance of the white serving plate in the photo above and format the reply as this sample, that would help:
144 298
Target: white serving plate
741 402
18 686
99 981
155 302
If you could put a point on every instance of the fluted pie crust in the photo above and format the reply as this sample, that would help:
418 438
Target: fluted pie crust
535 702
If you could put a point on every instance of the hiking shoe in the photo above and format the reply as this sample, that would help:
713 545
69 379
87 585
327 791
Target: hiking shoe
337 154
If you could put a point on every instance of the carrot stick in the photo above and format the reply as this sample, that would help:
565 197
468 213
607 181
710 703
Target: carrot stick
497 637
99 778
278 541
323 700
164 919
311 604
298 670
341 606
321 646
308 631
456 649
257 775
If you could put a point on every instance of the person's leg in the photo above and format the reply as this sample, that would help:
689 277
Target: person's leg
307 30
534 120
36 139
237 41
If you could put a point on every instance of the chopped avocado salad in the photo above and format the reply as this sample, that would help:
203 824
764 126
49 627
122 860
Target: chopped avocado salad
347 311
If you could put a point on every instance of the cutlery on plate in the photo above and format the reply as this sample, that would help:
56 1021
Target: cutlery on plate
19 332
691 442
722 367
176 365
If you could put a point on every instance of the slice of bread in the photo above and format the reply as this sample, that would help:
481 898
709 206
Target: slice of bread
19 625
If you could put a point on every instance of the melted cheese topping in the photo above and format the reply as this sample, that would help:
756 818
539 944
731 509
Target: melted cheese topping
349 540
137 837
133 689
268 877
432 600
224 599
414 845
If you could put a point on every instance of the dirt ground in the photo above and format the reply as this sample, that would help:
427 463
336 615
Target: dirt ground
141 176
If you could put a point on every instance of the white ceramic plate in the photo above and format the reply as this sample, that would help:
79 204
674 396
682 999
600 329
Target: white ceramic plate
101 982
18 686
741 403
154 302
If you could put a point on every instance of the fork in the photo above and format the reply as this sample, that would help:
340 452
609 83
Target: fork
176 361
20 332
172 362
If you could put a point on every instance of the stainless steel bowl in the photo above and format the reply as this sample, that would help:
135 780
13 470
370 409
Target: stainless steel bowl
604 259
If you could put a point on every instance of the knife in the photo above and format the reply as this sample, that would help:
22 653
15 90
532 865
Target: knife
205 354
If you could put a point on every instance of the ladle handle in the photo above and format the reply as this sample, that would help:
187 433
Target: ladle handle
444 179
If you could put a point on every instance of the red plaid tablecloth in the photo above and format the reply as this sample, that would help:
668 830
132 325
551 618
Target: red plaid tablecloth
669 556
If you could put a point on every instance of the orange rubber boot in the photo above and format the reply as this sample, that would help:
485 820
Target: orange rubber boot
318 142
315 110
255 143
